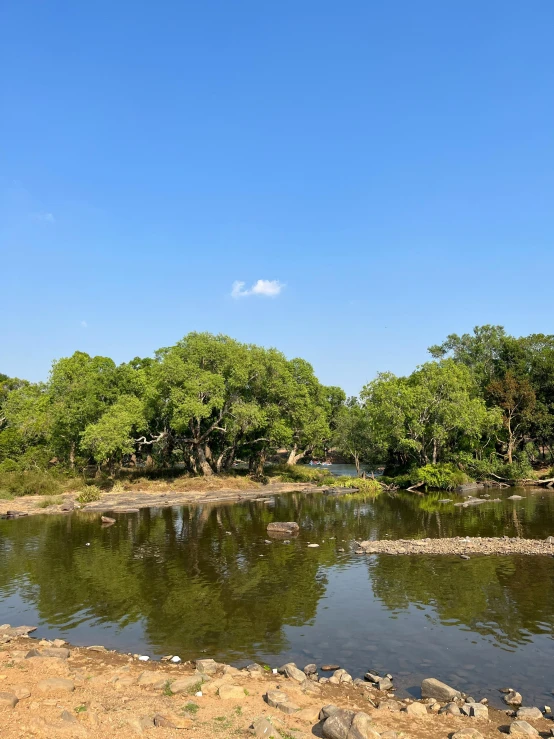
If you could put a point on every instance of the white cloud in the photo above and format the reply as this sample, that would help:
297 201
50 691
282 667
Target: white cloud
267 288
44 217
84 324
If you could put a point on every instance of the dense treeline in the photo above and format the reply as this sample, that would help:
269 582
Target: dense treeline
204 402
484 404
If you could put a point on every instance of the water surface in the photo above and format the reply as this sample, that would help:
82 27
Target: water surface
201 580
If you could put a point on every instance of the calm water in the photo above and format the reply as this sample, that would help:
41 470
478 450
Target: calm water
201 581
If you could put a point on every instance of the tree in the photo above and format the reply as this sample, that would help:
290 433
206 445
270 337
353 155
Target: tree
517 399
352 435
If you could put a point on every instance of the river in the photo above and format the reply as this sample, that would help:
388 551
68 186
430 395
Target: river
201 581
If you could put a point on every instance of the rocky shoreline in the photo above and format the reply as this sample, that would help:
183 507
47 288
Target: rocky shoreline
49 689
461 546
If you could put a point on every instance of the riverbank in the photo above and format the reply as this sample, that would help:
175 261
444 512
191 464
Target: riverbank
50 689
463 546
128 501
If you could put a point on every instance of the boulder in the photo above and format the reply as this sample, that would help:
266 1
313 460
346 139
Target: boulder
452 709
283 528
431 688
475 709
522 729
183 684
310 715
384 683
274 697
344 724
22 691
262 729
467 734
155 680
232 692
292 671
55 684
310 669
529 714
170 720
416 709
206 666
327 711
8 700
390 705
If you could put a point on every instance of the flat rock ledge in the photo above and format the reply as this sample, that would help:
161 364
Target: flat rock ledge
461 546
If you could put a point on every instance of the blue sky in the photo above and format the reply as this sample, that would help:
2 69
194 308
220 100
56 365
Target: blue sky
390 164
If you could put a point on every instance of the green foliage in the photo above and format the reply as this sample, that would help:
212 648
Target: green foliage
90 494
9 465
27 482
300 473
367 485
50 501
441 476
191 708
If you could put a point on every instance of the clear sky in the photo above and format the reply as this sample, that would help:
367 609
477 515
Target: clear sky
387 168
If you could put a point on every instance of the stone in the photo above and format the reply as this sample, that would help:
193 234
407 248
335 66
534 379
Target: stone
330 668
292 671
283 527
478 710
431 688
213 686
155 680
125 681
288 707
69 717
228 670
8 700
58 643
22 691
337 726
60 652
361 728
140 723
327 711
372 677
206 666
416 709
513 698
184 684
313 546
452 709
255 667
549 540
522 729
55 684
170 720
262 729
274 697
385 684
231 692
33 653
468 734
515 497
529 714
310 715
310 669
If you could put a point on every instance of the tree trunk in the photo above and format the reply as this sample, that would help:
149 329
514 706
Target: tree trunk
295 456
434 451
357 463
202 462
72 455
259 464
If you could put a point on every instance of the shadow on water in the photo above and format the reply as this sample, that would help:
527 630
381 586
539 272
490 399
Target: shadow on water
202 580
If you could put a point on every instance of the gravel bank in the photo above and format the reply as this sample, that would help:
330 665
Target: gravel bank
462 546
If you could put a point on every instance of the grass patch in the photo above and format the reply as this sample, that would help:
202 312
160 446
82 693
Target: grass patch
238 710
50 501
80 709
299 473
195 688
167 689
222 723
191 708
6 495
90 494
368 485
32 482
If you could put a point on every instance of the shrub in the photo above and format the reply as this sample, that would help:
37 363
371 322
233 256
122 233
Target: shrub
8 465
30 482
367 485
300 473
442 476
90 494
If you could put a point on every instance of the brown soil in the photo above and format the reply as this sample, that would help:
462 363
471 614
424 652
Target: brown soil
108 702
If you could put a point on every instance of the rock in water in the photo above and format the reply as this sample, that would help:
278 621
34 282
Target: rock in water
283 527
522 730
513 698
431 688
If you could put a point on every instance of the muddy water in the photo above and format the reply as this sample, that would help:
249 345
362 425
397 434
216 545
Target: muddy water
199 581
